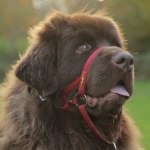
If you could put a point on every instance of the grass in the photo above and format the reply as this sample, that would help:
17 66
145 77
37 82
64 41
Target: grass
139 109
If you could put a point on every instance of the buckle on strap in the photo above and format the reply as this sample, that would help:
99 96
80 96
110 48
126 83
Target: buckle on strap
74 102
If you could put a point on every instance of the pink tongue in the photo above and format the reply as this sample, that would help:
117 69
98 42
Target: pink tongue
119 89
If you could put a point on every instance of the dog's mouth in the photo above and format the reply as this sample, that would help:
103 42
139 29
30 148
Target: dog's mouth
117 89
112 100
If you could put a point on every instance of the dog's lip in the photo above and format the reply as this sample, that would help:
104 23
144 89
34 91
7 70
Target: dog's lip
118 89
93 101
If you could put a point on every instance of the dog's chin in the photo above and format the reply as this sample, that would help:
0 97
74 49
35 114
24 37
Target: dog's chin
109 104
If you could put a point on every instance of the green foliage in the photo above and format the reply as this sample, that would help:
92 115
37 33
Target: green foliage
142 65
8 55
16 17
139 109
132 15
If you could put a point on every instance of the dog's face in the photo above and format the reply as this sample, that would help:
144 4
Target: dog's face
60 47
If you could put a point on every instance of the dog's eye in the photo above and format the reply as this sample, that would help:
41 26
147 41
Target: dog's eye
82 48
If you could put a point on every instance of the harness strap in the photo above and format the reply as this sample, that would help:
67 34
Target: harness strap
92 127
85 69
90 124
81 80
70 87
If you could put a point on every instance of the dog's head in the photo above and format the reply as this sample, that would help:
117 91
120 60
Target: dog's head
60 46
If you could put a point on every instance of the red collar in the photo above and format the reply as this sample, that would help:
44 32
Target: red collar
81 80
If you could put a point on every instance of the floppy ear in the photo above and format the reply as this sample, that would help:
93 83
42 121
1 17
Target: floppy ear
38 66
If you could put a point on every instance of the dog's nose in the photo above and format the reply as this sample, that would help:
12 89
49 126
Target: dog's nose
123 61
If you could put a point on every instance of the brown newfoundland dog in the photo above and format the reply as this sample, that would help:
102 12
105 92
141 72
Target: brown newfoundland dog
67 91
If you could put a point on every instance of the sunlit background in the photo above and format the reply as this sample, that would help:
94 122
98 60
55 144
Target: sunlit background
17 16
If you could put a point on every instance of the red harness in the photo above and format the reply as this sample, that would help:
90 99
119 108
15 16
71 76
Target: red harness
81 80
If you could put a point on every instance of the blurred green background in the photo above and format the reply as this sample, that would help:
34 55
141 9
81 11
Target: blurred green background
17 16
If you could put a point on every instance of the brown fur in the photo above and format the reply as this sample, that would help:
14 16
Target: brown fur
50 63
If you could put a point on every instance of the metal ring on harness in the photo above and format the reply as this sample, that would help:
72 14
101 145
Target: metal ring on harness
86 98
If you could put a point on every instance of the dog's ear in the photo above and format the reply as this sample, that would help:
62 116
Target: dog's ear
38 67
